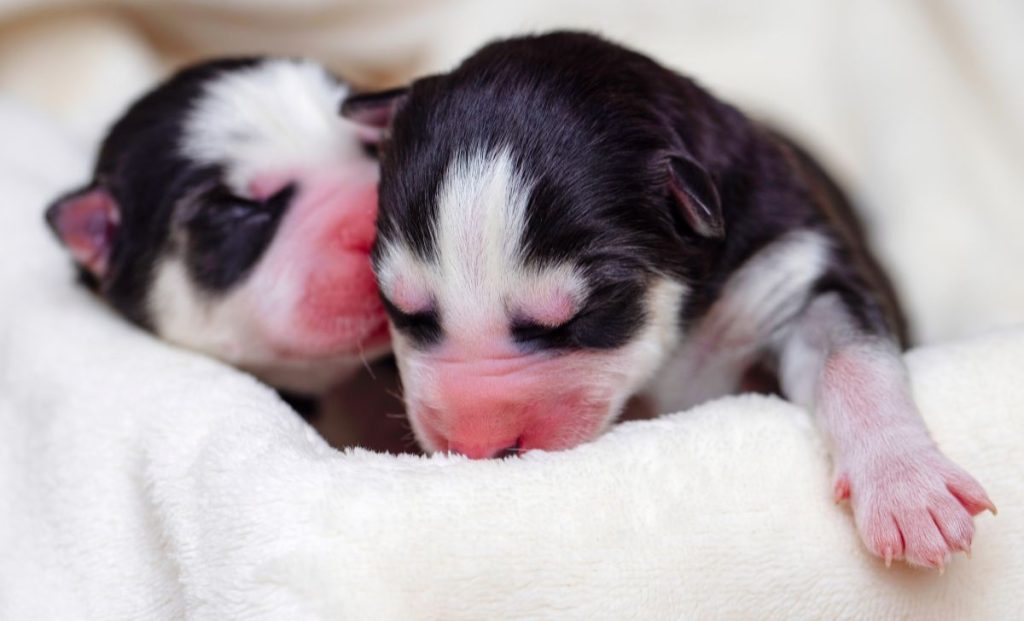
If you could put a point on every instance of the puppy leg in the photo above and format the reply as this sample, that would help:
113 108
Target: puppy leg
909 500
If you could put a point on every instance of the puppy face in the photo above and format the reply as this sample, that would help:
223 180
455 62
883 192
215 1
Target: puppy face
232 212
503 342
534 257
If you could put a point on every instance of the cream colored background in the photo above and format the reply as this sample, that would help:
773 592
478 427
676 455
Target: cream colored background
917 105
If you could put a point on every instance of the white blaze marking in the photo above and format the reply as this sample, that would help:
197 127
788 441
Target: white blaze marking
277 115
481 221
478 277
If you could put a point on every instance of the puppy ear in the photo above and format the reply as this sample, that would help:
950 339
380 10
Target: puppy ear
373 112
86 222
696 195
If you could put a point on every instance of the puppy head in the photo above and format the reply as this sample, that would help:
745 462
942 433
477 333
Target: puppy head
540 221
232 212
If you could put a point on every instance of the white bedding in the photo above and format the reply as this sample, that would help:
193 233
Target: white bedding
139 481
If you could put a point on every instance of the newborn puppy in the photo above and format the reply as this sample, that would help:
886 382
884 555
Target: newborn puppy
564 223
232 212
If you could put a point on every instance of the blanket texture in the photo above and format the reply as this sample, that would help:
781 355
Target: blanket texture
138 481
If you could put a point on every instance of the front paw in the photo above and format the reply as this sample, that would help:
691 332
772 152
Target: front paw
913 505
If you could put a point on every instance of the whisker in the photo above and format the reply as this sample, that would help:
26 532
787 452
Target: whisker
366 363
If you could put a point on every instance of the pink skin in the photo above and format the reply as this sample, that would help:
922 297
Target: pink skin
408 298
322 299
86 224
909 500
480 395
551 307
481 406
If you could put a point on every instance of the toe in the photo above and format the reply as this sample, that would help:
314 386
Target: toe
925 544
881 535
969 492
954 523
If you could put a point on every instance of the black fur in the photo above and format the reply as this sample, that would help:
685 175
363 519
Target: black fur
227 235
596 127
424 328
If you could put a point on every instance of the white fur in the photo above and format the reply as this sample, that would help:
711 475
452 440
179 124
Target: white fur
825 331
767 291
660 336
278 115
227 329
477 276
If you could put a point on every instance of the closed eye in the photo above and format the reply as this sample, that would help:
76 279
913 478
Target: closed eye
218 203
282 197
226 234
242 207
531 332
423 327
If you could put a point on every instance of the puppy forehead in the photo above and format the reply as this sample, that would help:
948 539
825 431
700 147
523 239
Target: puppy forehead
275 114
477 262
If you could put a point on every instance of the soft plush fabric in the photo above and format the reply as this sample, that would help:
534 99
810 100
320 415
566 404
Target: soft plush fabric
138 481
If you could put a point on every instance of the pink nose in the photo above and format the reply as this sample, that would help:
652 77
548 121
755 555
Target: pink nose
484 405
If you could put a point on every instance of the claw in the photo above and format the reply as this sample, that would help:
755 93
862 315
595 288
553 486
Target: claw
967 552
888 558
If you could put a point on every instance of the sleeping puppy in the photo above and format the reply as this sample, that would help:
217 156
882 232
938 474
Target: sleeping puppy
564 223
232 212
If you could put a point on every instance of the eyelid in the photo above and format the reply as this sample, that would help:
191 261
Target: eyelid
215 199
552 320
285 194
394 309
423 327
529 329
540 323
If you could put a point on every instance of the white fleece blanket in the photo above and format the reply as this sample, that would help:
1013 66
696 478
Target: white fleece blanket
139 481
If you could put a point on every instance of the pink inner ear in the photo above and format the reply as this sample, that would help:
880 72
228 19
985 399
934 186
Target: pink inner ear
86 223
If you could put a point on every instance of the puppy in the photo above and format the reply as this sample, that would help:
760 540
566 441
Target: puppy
232 212
565 223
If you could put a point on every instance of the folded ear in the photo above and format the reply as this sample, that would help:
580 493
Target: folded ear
86 222
697 196
373 112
